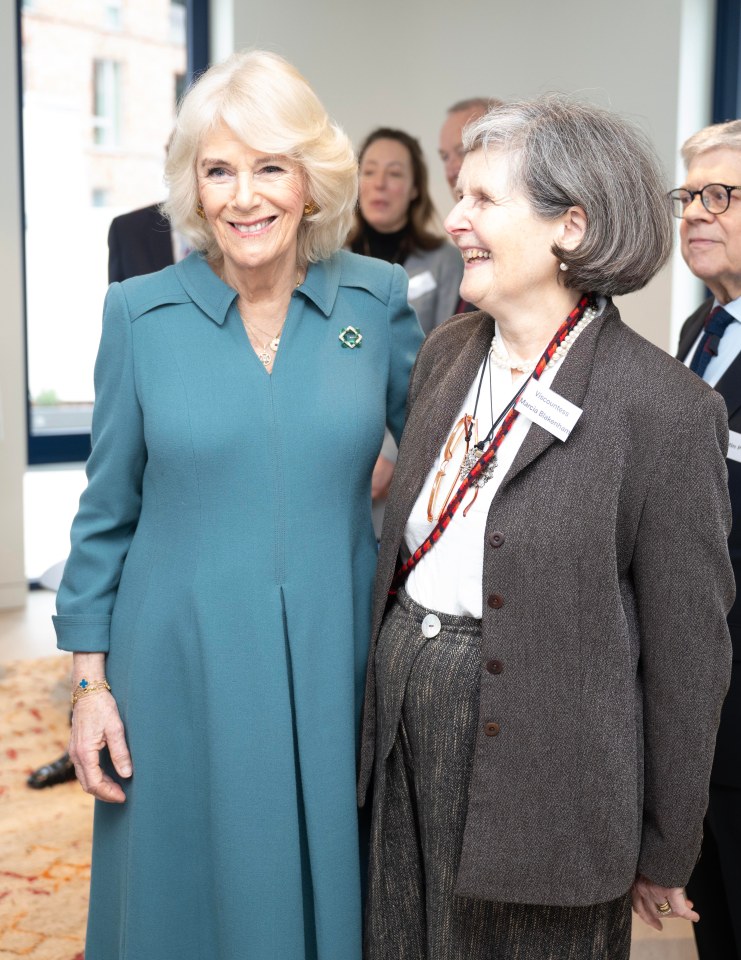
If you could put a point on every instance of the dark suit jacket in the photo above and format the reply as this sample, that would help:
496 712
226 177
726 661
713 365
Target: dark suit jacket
610 556
139 242
727 765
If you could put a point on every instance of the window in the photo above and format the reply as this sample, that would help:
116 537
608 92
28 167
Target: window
727 79
99 120
112 14
106 102
181 84
178 21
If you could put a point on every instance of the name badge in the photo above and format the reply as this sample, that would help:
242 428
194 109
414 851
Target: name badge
420 284
734 446
549 410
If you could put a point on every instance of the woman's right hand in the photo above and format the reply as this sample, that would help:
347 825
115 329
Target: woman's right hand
96 724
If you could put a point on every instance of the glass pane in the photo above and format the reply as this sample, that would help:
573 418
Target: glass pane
100 82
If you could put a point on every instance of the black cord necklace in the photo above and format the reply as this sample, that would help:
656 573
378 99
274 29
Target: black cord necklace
473 453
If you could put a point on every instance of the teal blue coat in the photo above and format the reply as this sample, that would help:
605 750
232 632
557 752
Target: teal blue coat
223 556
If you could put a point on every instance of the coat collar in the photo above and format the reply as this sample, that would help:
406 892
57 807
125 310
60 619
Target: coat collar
571 382
204 288
214 297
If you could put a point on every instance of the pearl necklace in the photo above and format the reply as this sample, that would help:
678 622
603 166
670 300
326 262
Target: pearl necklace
500 357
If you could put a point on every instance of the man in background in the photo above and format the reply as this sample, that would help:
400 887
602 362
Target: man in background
140 242
451 146
709 205
451 133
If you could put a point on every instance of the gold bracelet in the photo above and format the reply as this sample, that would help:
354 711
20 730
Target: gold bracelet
84 687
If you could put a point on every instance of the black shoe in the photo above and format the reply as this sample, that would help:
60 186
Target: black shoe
60 771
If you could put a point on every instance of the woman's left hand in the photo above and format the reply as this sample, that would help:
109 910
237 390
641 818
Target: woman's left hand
383 473
648 897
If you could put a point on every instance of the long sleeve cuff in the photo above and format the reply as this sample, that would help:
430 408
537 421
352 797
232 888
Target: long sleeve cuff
82 634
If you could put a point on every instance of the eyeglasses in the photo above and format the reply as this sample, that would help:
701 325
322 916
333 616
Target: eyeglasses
463 434
715 197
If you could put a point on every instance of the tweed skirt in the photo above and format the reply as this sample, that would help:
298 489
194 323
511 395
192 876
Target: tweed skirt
427 716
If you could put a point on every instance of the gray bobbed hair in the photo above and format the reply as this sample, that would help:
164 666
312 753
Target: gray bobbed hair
564 153
715 137
270 107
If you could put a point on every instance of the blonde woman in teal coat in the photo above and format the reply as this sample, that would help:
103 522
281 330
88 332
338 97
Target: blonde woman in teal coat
220 575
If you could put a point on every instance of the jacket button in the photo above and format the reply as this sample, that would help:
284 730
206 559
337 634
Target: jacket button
431 626
491 729
495 601
496 538
495 666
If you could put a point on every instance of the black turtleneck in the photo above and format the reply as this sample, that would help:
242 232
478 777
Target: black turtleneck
384 246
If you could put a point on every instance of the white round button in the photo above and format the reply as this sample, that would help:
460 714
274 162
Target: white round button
430 626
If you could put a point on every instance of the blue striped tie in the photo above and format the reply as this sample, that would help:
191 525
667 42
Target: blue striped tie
707 348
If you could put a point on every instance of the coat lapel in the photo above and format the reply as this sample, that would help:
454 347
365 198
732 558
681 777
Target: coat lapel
729 387
691 328
571 382
428 427
432 419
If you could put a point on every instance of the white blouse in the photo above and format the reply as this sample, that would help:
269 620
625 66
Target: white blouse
448 578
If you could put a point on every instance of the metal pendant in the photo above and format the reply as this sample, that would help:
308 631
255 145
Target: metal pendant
265 358
274 344
487 474
469 462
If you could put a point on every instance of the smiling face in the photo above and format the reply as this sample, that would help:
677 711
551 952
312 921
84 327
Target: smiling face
711 243
386 187
506 248
252 201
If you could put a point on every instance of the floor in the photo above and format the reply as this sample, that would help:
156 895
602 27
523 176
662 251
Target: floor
51 499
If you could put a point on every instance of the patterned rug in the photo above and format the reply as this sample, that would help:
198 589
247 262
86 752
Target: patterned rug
44 834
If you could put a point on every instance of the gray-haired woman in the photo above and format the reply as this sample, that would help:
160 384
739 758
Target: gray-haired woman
544 690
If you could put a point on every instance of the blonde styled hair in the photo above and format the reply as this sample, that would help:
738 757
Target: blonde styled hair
270 107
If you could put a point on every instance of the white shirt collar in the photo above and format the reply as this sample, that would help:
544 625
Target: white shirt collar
734 308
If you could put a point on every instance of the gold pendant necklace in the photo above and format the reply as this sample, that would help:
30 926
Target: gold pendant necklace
271 343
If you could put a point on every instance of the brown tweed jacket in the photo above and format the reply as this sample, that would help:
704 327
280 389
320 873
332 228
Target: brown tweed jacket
610 557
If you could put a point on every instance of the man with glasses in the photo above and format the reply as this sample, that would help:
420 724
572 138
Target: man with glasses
709 207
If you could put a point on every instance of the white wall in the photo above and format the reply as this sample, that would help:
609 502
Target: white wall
401 63
12 377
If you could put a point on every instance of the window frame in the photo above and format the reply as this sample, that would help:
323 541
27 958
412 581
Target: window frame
107 79
727 66
75 447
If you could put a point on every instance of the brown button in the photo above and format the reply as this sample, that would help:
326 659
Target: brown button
496 538
491 729
495 601
495 666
